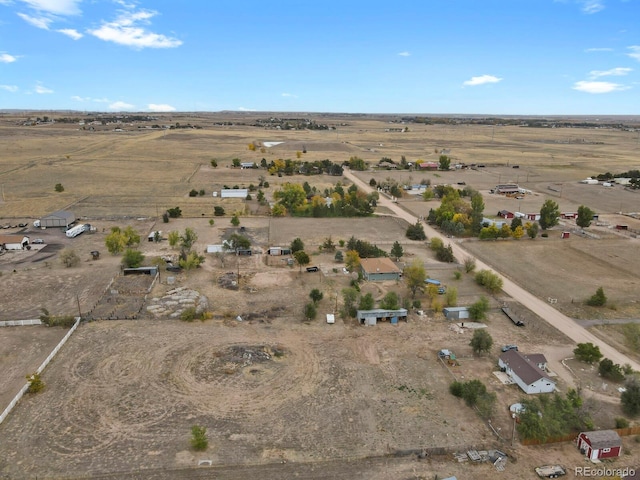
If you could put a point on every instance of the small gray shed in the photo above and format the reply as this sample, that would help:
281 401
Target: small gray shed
456 313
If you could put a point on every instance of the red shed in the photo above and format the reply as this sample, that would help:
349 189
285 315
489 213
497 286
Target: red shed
600 444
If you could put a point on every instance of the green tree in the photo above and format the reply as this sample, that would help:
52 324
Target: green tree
173 237
59 188
436 243
352 261
549 214
481 341
218 211
585 216
478 310
190 261
469 264
515 223
115 241
445 254
132 258
214 163
310 311
199 440
339 257
296 245
174 212
367 302
316 295
416 232
302 258
444 162
451 296
415 275
598 299
532 229
235 162
610 370
238 242
235 221
587 352
397 251
291 196
477 213
187 239
132 238
69 258
390 301
630 398
489 280
349 297
328 245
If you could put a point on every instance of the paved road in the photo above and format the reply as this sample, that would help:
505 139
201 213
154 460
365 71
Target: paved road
566 325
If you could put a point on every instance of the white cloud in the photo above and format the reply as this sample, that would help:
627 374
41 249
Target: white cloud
592 6
243 109
291 95
125 31
481 80
601 49
56 7
635 52
614 72
39 22
70 32
9 88
6 58
404 54
598 87
161 107
42 89
78 98
119 106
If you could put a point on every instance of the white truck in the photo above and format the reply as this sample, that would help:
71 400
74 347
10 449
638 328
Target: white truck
550 471
77 230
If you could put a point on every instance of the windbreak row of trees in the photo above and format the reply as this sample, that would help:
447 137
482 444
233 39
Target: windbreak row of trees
305 201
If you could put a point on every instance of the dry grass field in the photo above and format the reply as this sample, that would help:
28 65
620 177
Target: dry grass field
122 395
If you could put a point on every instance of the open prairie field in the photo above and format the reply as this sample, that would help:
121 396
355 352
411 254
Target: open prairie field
122 396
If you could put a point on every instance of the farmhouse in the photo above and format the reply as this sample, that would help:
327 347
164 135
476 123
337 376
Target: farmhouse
527 371
234 193
379 269
61 218
13 242
371 317
600 444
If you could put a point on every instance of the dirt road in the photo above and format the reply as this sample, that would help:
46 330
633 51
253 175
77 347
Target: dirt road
566 325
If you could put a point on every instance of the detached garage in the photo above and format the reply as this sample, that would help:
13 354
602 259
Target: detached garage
61 218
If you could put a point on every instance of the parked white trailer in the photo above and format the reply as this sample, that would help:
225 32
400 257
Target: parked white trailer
77 230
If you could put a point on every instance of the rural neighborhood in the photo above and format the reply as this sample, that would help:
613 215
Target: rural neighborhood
244 295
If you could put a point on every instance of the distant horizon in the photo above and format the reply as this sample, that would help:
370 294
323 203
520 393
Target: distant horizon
544 58
14 111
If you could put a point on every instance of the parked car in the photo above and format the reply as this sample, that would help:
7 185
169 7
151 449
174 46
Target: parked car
38 241
506 348
312 269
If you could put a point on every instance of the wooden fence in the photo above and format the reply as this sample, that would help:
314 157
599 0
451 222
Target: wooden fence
623 432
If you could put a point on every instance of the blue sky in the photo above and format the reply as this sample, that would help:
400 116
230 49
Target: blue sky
510 57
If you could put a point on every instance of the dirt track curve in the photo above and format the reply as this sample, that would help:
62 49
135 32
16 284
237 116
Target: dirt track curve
566 325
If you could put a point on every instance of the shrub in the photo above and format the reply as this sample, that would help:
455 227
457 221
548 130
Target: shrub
598 299
193 193
218 211
174 212
456 389
457 274
59 188
132 258
199 440
621 422
35 383
69 258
